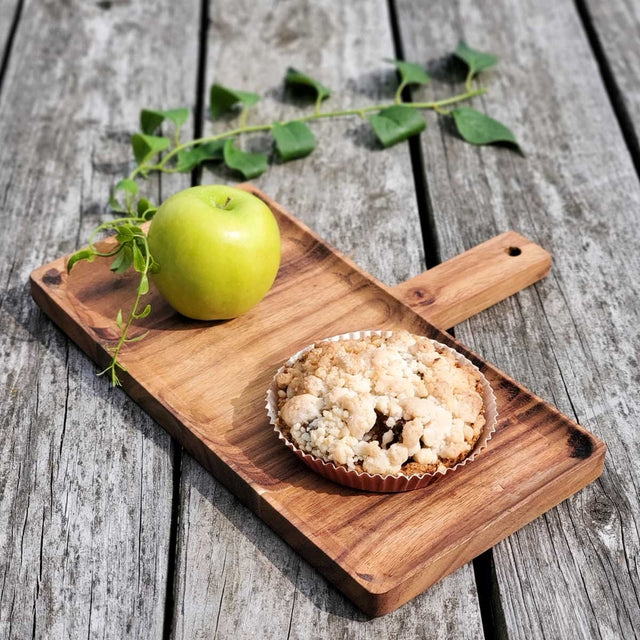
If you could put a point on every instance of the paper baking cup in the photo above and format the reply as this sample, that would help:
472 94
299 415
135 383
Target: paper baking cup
376 482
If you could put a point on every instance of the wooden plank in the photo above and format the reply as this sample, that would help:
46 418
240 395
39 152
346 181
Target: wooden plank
574 337
614 27
8 16
363 203
536 459
85 474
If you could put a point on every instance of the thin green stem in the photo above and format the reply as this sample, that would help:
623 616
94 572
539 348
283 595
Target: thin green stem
193 143
398 98
452 100
139 169
111 224
441 111
361 111
243 117
105 254
144 169
469 78
114 364
129 202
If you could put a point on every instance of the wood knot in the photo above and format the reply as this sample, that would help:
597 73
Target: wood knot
422 296
602 512
580 444
365 576
52 278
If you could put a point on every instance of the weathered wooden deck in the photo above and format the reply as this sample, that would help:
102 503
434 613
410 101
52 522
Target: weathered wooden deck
106 528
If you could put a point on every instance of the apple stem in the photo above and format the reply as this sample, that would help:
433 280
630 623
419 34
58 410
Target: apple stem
227 201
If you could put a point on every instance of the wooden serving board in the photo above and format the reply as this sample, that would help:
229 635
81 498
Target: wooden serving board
205 383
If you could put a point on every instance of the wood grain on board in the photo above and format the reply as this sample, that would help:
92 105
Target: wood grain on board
475 280
573 338
214 404
86 477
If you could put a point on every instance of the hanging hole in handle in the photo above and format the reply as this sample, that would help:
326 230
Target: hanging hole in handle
514 251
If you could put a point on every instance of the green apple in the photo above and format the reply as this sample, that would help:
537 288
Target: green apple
218 251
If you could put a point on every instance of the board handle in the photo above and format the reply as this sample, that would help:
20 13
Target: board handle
475 280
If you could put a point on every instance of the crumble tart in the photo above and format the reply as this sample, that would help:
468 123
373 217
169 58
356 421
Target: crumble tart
386 405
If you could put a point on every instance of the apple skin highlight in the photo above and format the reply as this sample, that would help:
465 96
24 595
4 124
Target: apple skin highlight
218 250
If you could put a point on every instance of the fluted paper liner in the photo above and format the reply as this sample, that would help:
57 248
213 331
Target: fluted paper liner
376 482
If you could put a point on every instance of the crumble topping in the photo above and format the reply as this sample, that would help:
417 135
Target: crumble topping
400 404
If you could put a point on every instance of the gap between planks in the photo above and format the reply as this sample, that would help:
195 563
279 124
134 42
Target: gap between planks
425 207
611 86
177 449
486 586
8 45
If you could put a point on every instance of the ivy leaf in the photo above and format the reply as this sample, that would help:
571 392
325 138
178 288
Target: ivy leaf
83 254
145 312
149 213
125 234
178 116
119 319
115 205
145 146
143 287
139 262
250 165
410 72
293 140
474 59
137 338
478 128
123 260
144 207
222 99
130 186
397 123
151 119
299 80
190 159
